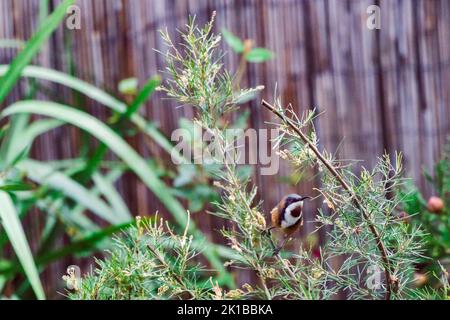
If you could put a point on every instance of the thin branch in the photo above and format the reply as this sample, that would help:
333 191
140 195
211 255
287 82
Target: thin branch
286 265
167 266
356 200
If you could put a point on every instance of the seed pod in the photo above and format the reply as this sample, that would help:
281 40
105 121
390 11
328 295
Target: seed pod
435 204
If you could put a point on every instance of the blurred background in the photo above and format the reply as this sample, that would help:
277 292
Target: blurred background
380 90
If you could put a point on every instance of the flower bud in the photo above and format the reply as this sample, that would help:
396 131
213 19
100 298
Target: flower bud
435 204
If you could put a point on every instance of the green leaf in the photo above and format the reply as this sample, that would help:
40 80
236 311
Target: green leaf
244 172
241 120
258 55
234 42
196 205
37 128
16 235
128 86
32 48
87 242
12 143
16 186
186 174
72 217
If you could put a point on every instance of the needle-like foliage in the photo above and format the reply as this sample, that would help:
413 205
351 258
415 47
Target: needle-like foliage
149 262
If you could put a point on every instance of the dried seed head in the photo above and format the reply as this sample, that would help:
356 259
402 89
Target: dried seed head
235 244
218 184
317 273
140 229
163 289
270 273
228 263
329 204
248 44
217 290
261 221
248 288
234 294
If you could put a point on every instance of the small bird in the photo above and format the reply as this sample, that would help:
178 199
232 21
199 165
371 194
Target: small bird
287 216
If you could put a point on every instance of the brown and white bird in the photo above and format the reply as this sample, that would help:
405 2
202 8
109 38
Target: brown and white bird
288 216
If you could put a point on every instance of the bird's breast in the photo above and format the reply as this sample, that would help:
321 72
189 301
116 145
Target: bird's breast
292 214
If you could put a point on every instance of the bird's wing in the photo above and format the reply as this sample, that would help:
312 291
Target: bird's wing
275 217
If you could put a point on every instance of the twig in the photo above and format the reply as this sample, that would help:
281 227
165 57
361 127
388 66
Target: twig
286 266
356 200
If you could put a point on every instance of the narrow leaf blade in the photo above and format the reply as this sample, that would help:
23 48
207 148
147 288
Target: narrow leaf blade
32 48
16 235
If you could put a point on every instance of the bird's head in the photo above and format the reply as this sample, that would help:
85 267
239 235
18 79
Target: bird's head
292 203
293 198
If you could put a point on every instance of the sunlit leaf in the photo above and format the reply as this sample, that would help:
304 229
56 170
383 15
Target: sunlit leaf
128 86
16 235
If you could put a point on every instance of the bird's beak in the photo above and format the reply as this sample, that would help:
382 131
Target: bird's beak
303 198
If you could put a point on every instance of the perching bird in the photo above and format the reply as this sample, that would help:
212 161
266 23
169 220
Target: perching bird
287 216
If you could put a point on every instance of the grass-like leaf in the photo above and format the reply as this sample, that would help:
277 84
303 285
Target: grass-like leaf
16 235
32 48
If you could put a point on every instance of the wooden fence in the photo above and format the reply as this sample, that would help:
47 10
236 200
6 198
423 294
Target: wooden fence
386 89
